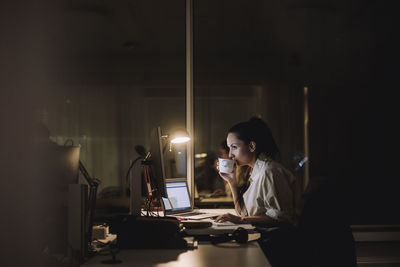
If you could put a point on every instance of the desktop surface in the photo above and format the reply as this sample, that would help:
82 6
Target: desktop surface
204 254
230 254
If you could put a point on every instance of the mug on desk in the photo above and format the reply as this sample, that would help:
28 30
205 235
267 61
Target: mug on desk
225 165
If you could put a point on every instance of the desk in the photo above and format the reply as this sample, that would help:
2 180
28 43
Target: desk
229 254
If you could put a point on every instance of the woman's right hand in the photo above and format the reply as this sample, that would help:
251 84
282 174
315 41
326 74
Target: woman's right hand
228 177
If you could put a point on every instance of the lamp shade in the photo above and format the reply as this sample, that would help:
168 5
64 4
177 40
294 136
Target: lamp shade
179 136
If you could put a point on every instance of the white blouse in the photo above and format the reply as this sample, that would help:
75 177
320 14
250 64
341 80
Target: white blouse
273 191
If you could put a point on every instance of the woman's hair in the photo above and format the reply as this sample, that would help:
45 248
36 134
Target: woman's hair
223 145
258 131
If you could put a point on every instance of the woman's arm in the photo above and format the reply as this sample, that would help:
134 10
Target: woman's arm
235 195
261 219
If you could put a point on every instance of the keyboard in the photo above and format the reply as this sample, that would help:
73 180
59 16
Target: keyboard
193 213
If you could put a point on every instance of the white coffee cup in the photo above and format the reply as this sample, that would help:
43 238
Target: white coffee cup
225 165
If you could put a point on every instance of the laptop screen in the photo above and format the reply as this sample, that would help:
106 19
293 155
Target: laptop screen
178 197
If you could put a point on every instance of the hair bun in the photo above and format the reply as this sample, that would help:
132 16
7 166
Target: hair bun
255 119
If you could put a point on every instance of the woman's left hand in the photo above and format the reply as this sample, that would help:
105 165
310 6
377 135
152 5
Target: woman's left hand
227 217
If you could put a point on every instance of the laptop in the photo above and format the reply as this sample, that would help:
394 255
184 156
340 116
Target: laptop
178 202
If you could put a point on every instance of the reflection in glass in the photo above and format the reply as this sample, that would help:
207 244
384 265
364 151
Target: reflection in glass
117 78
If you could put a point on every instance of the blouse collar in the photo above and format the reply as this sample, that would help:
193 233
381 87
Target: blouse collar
258 166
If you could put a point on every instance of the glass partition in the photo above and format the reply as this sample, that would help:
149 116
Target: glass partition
239 73
120 68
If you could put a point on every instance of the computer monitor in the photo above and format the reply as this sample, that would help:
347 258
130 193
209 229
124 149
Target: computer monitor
157 174
61 169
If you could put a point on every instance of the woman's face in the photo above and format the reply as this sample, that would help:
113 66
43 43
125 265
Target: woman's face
240 151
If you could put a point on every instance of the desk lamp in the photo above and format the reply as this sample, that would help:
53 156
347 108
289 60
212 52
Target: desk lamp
178 136
93 185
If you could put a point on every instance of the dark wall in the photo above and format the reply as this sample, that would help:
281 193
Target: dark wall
21 82
353 121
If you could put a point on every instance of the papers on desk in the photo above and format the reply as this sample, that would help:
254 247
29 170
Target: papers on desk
219 224
219 228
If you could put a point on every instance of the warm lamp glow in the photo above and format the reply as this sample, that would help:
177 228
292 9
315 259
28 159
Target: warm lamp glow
179 140
179 136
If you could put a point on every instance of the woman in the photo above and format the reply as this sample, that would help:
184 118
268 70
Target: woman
271 196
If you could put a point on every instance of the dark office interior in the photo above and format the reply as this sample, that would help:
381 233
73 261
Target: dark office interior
102 74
